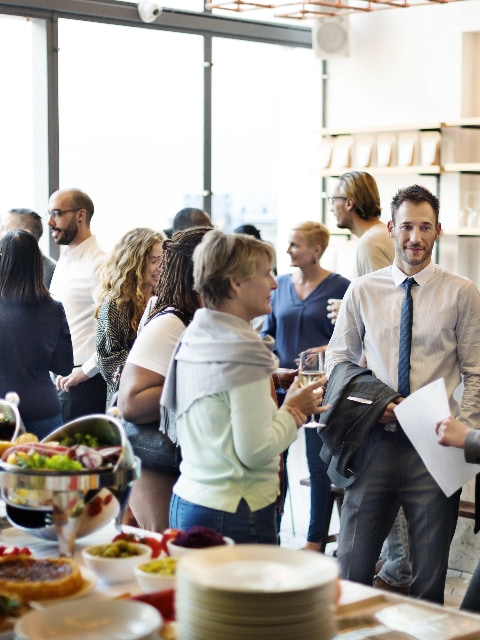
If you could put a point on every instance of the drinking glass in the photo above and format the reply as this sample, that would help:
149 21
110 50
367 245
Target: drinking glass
311 368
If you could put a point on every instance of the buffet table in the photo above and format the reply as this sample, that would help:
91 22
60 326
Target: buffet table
363 613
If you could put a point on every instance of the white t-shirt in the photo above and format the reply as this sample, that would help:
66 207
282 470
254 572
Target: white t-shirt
156 343
75 283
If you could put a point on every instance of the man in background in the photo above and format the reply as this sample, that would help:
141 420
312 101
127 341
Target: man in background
190 217
30 221
356 206
74 283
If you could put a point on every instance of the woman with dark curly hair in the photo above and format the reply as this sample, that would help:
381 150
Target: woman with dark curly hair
143 377
127 281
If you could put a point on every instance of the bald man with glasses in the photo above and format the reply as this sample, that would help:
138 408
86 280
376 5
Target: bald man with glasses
74 283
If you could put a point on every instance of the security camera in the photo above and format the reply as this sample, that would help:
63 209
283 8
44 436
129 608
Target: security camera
149 10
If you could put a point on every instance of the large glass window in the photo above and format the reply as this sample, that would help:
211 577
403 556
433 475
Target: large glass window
131 123
16 114
266 108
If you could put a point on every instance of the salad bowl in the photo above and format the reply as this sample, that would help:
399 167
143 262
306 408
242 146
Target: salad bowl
69 504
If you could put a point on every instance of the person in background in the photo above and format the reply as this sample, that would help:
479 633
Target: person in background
75 283
29 220
389 471
190 217
454 433
355 203
143 377
298 322
230 431
250 230
127 281
34 334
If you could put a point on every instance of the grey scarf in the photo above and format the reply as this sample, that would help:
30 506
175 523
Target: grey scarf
216 353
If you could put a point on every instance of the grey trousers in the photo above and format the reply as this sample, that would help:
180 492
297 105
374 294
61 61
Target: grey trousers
396 476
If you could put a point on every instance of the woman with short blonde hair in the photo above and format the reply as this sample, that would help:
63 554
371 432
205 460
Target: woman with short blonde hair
299 322
230 430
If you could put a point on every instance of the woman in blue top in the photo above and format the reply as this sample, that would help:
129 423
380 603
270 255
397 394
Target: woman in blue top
34 334
298 322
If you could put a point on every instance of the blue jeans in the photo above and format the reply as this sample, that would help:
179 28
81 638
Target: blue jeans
397 569
244 526
394 477
319 486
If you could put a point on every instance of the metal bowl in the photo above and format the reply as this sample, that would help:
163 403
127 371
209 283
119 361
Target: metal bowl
11 425
107 428
69 505
80 502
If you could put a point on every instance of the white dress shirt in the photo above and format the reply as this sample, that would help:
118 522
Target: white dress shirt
445 334
75 284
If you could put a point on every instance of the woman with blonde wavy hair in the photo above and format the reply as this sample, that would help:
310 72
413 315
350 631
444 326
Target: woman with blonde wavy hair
128 280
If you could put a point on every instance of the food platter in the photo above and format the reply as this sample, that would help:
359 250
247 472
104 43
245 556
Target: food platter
70 494
112 619
66 487
89 583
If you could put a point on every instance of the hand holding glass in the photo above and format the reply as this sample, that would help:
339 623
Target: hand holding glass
311 369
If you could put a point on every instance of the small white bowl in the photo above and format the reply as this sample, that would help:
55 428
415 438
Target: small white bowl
178 552
116 569
151 580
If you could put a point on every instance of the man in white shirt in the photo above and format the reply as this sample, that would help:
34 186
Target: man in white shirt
390 473
74 283
355 204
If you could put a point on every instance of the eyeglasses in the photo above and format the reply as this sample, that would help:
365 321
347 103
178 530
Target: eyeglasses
58 213
331 199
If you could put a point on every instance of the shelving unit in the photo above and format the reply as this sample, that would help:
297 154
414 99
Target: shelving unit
424 149
447 153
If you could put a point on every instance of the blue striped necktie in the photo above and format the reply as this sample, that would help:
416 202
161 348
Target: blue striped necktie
405 345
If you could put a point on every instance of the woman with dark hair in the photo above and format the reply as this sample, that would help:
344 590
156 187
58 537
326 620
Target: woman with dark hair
219 386
142 380
34 334
127 281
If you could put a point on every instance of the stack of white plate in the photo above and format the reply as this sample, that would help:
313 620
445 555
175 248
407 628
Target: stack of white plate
245 592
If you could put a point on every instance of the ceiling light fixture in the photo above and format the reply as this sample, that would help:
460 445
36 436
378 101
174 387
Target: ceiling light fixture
319 8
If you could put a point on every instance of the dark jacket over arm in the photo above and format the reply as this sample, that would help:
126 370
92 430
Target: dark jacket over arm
358 400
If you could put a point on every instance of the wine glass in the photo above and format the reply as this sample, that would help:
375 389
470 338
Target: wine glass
310 369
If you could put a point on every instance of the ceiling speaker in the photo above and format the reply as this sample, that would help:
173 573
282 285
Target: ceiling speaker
330 37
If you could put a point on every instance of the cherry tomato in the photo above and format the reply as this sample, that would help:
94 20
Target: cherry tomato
169 534
94 507
14 551
163 601
155 545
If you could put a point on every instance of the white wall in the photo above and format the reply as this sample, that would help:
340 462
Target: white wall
410 66
404 66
